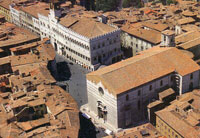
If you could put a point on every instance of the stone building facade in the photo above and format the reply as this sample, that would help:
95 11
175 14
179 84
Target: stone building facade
120 93
88 52
4 9
90 48
174 121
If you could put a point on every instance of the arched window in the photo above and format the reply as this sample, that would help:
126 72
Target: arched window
101 92
191 76
139 92
150 87
191 86
161 83
55 45
127 97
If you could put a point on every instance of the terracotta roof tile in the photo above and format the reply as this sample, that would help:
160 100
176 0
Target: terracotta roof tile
151 36
179 114
86 26
141 69
185 21
156 26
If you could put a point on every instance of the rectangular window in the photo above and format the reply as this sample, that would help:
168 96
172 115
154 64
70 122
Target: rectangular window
150 87
131 43
161 83
191 76
172 78
164 38
139 92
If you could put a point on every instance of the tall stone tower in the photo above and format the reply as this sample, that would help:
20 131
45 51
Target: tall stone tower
55 10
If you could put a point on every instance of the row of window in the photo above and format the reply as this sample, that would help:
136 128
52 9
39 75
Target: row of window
109 53
136 45
103 43
138 103
36 21
72 40
43 24
4 10
166 129
79 62
72 51
139 91
78 54
26 23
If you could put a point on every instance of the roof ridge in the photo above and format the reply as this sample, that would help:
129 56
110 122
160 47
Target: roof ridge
139 60
93 28
190 41
100 28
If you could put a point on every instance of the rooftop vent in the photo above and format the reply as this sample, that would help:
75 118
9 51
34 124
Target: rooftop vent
144 133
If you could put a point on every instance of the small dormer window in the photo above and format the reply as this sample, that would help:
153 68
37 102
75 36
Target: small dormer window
101 92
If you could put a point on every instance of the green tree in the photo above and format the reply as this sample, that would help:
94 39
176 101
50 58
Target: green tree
106 5
90 4
126 3
171 2
73 2
132 3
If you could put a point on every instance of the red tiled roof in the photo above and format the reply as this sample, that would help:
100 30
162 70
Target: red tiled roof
138 70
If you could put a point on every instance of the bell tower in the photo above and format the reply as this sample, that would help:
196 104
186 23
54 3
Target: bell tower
55 9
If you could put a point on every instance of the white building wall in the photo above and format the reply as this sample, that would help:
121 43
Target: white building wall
168 40
36 25
25 20
178 29
107 47
79 48
135 43
116 106
70 44
128 111
15 16
107 99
